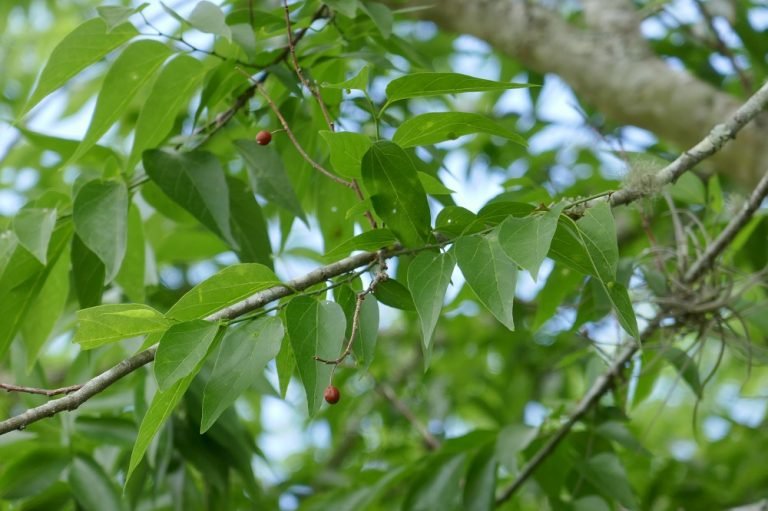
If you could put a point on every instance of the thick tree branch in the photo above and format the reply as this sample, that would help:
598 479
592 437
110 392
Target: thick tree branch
623 80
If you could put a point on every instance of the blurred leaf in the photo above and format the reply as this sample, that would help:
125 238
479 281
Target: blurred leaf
481 481
607 474
209 18
357 82
439 487
92 487
32 472
686 368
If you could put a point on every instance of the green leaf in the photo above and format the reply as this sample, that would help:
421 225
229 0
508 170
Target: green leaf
607 474
92 487
625 312
686 367
86 44
396 192
598 233
511 441
87 274
481 480
45 309
285 363
131 274
209 18
428 277
195 181
432 185
315 329
112 322
346 7
231 285
455 220
33 228
248 225
169 96
439 487
347 150
135 66
527 240
159 410
416 85
392 293
268 177
381 16
367 241
434 127
100 214
357 82
490 273
364 345
32 472
182 347
114 15
238 360
568 248
590 503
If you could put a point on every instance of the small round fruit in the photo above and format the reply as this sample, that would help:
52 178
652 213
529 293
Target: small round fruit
263 137
331 394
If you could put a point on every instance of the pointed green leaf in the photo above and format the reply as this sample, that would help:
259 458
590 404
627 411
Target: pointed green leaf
135 66
392 293
598 232
209 18
181 349
396 192
159 410
625 312
686 368
428 277
268 177
315 329
608 475
527 240
109 323
347 150
132 271
87 274
92 487
100 214
381 15
45 309
238 360
231 285
169 96
490 273
357 82
86 44
195 181
33 228
248 225
417 85
367 241
434 127
481 480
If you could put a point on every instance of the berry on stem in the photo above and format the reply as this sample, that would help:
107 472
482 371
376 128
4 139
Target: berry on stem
331 394
263 137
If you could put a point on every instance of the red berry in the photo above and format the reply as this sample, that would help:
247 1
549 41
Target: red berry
263 137
331 394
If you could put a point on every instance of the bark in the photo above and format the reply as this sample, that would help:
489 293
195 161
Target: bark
611 67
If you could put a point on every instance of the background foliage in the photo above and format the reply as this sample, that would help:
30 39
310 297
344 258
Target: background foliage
136 205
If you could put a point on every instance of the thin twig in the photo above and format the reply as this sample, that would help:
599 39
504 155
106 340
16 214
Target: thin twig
389 394
312 89
8 387
293 138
